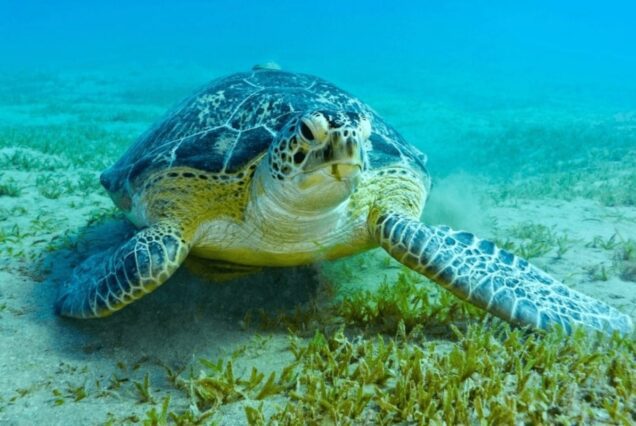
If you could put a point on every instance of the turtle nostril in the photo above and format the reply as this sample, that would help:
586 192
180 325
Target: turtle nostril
306 131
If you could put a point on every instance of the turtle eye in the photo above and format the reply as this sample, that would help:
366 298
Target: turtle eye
306 131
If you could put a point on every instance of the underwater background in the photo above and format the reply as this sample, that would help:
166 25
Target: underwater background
527 112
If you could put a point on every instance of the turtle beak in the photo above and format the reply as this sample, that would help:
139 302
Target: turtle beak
344 171
341 173
341 156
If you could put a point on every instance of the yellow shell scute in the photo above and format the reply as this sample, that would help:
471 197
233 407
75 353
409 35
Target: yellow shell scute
194 196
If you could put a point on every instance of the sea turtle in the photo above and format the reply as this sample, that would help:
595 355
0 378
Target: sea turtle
272 168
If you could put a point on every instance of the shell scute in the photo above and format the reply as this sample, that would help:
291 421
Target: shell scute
205 151
250 144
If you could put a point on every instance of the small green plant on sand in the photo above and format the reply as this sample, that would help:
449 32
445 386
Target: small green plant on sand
536 240
72 393
143 390
563 243
605 243
156 417
9 187
625 260
599 272
49 186
411 300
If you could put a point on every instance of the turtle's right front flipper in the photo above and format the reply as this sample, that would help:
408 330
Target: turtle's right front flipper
106 282
491 278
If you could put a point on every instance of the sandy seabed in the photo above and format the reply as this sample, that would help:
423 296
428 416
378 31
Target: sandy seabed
53 217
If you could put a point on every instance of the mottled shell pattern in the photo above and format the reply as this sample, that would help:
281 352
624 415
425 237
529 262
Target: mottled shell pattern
229 124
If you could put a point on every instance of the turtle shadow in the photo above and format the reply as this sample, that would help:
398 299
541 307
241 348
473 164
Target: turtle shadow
184 316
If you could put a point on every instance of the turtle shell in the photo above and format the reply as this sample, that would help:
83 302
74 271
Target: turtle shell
233 120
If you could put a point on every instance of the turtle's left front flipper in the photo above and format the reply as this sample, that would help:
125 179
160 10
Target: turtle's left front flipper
108 281
491 278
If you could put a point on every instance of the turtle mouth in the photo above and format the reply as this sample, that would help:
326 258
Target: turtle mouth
338 170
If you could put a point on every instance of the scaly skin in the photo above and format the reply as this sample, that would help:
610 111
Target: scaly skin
491 278
108 281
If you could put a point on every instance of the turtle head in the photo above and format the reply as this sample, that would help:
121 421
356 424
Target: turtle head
317 157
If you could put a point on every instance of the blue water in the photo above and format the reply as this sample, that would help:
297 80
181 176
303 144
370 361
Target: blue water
470 58
539 39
